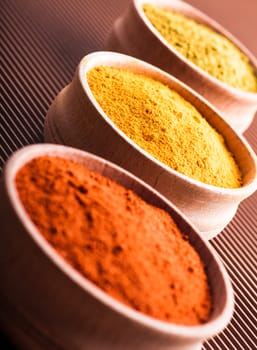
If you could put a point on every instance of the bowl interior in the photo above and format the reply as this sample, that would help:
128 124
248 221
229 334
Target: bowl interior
222 296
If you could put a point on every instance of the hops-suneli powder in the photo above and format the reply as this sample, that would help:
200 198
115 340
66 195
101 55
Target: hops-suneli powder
127 247
205 47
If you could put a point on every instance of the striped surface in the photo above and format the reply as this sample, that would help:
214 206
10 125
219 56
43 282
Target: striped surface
42 42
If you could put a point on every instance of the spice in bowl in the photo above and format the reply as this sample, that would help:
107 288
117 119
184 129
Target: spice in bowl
130 249
205 47
165 125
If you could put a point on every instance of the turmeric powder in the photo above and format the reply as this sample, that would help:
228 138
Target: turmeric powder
206 48
165 125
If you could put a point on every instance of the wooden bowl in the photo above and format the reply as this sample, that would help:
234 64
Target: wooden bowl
46 304
76 119
133 34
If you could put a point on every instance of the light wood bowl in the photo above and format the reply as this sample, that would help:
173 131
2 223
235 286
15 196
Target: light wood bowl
133 34
76 119
46 304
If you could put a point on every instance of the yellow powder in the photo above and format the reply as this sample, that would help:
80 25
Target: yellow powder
164 124
209 50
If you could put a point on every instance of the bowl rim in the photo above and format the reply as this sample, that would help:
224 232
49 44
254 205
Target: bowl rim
89 61
26 154
207 21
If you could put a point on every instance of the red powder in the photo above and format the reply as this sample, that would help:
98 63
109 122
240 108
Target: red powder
130 249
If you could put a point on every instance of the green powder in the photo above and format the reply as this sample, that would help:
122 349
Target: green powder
165 125
206 48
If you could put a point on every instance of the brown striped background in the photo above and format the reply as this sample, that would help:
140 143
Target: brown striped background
42 42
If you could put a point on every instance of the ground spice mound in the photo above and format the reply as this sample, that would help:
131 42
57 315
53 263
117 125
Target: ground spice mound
208 49
164 124
130 249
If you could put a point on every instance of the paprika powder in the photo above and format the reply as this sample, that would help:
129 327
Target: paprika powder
130 249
